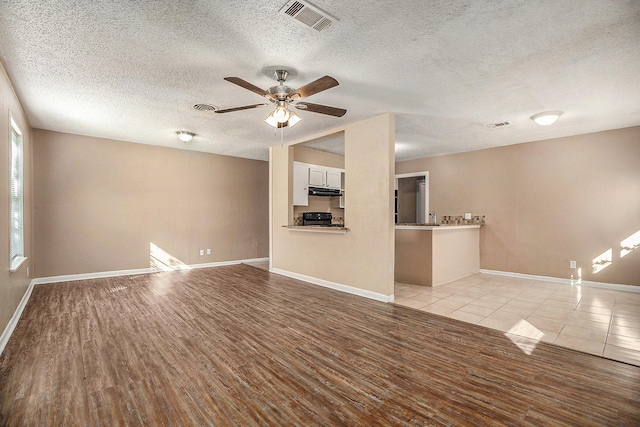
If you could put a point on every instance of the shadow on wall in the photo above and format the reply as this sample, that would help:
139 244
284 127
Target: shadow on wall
162 260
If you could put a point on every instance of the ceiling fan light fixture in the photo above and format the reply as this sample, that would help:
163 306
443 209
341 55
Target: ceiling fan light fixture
185 136
271 121
281 113
547 118
293 118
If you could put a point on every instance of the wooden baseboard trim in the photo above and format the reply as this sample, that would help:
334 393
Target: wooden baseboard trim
333 285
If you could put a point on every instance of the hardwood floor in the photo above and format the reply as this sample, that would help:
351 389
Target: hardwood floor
241 346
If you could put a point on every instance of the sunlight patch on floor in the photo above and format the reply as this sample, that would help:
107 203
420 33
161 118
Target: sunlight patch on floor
525 336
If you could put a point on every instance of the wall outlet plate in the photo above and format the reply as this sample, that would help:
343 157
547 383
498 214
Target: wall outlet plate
572 264
201 251
467 215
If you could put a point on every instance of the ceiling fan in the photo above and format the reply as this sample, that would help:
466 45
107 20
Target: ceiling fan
285 96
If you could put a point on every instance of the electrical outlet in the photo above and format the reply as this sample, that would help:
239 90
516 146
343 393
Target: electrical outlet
201 251
572 264
208 251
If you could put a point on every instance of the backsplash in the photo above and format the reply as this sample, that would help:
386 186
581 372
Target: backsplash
459 220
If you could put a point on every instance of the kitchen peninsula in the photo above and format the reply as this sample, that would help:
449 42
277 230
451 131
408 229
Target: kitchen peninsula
432 255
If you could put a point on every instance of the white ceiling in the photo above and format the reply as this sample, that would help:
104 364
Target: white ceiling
131 70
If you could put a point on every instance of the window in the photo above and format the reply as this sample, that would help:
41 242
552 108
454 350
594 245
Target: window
16 221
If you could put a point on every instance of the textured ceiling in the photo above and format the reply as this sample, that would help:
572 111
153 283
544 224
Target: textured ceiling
132 70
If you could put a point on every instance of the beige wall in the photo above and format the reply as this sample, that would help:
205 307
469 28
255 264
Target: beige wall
99 203
317 157
13 285
414 257
362 258
547 202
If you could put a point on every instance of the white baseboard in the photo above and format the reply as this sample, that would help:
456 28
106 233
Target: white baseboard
103 274
223 263
611 286
4 338
333 285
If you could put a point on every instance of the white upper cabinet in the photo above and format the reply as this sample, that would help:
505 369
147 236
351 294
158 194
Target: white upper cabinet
333 178
325 177
300 184
317 176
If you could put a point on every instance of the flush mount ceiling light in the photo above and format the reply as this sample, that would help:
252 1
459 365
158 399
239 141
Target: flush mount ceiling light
185 136
547 118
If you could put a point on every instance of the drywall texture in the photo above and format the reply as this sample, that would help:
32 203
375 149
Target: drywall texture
547 203
13 285
363 257
456 254
316 157
99 204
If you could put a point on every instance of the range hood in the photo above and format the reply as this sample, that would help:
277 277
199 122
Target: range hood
327 192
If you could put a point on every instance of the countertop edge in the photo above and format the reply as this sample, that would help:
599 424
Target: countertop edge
436 227
317 229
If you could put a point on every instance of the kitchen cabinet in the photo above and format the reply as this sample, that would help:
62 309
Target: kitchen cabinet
333 178
324 177
300 184
307 175
317 176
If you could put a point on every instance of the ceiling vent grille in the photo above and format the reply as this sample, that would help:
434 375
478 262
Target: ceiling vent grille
500 125
204 107
308 15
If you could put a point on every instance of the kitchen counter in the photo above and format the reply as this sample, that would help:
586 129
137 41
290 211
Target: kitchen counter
317 229
415 226
431 255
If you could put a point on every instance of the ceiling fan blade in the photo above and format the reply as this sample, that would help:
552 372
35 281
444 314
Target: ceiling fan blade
245 84
323 83
322 109
246 107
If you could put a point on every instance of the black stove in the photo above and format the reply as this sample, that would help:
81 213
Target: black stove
322 219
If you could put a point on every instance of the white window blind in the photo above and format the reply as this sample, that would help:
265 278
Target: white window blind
17 196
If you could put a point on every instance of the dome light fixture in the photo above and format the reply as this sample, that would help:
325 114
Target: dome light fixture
547 118
185 136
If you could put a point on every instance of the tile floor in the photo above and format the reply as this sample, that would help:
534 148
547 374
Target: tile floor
593 320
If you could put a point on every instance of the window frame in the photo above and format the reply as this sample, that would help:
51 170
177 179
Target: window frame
16 254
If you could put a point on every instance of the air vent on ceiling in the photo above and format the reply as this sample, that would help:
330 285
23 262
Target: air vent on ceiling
204 107
499 125
308 15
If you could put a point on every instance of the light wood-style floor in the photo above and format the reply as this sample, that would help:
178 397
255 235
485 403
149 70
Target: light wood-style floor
238 345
